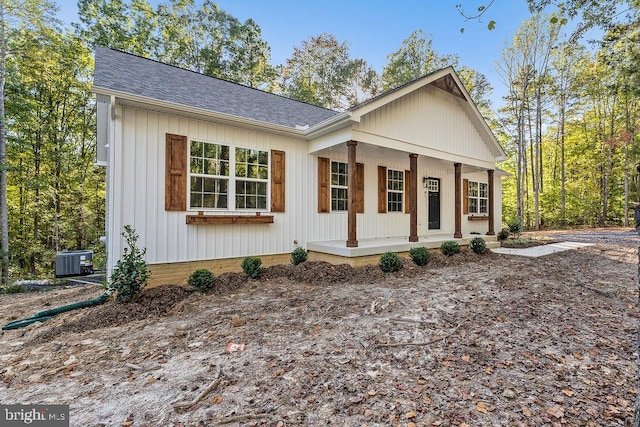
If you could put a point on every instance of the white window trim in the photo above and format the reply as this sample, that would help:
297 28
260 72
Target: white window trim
401 192
332 186
231 179
478 198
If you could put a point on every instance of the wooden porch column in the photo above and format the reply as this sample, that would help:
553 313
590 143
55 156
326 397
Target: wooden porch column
352 207
413 198
491 231
458 215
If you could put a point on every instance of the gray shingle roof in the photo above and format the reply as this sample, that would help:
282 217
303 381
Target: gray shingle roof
123 72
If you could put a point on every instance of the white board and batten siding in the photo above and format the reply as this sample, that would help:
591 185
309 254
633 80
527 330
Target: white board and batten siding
137 157
429 122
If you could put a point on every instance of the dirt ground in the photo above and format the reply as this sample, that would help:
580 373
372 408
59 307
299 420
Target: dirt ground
469 340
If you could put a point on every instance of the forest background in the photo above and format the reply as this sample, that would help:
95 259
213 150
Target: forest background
570 121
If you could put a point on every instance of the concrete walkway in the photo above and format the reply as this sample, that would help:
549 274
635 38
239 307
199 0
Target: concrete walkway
542 250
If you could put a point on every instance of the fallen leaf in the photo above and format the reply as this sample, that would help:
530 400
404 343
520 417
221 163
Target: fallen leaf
466 357
410 414
233 347
556 411
372 392
237 321
481 407
526 411
568 392
488 370
426 400
217 399
151 380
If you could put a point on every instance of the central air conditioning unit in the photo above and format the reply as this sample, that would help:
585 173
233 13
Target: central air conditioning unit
74 263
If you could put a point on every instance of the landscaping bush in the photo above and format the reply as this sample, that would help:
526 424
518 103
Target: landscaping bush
390 262
252 267
450 247
478 245
503 234
12 289
515 226
202 280
131 273
298 255
420 256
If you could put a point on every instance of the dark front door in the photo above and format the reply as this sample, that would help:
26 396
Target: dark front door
433 188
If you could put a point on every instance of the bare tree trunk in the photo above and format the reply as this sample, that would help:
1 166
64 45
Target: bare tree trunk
563 203
4 219
636 407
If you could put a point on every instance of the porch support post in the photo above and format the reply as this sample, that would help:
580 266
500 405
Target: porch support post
458 216
413 198
352 242
491 231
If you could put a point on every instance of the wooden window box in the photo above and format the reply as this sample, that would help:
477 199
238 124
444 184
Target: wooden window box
229 219
478 217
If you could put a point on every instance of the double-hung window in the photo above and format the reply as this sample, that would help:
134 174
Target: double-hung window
225 177
209 181
395 190
339 186
478 197
252 173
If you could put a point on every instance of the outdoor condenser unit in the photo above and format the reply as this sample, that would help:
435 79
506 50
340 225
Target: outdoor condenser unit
74 263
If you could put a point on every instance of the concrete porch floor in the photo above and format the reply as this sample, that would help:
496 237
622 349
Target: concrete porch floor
377 246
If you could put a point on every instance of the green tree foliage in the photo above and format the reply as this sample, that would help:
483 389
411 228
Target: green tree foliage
56 193
113 23
321 72
199 37
415 58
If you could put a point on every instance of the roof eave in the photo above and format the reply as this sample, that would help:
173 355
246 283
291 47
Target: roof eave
181 108
329 125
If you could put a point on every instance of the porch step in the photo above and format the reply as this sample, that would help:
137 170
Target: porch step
493 245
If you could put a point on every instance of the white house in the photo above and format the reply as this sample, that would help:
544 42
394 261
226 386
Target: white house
209 172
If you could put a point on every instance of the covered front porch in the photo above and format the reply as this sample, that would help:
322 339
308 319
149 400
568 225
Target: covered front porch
378 246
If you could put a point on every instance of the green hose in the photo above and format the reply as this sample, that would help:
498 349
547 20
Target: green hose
48 314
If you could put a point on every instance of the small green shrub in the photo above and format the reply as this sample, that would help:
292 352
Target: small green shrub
420 256
515 226
478 245
450 247
202 279
131 273
12 289
503 234
390 262
298 255
252 267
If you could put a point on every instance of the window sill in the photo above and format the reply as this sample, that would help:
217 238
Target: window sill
478 217
229 219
